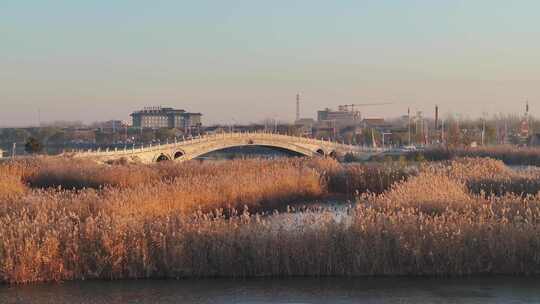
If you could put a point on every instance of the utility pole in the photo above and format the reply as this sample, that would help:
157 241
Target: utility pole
419 125
426 131
483 131
297 107
233 124
409 124
14 150
436 124
442 131
458 128
505 131
383 137
373 139
484 114
529 125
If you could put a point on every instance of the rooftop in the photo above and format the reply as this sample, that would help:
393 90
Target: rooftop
158 110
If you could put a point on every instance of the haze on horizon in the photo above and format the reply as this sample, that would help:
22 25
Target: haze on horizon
244 61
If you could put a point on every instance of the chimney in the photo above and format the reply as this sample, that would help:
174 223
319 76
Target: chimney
436 118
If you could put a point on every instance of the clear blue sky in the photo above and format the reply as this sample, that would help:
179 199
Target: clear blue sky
245 60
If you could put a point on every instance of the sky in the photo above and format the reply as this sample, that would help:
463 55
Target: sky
240 61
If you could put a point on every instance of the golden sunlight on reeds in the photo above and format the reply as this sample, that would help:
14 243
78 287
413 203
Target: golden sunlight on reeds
67 220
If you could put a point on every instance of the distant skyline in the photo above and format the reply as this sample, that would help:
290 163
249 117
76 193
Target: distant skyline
244 61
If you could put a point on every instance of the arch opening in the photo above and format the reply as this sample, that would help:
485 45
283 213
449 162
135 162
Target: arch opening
178 154
320 152
333 154
162 157
250 151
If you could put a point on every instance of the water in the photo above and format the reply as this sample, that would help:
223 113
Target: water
248 152
297 290
525 169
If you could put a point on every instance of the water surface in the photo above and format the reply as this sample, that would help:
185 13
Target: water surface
296 290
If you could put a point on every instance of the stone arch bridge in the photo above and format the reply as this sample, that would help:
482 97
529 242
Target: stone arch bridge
195 147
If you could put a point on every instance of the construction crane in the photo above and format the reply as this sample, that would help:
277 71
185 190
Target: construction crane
346 107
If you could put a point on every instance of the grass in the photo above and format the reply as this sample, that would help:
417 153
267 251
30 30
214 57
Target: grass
78 220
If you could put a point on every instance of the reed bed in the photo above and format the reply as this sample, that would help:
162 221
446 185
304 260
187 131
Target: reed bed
501 239
166 188
510 155
355 179
430 193
221 219
10 181
489 177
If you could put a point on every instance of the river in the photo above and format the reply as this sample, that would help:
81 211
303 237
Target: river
296 290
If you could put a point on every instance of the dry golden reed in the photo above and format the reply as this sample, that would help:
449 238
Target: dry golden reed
11 180
195 220
510 155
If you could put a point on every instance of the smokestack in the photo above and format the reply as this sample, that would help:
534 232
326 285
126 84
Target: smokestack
436 118
298 107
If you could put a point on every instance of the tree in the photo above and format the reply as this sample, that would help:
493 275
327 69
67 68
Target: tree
14 135
323 134
400 138
348 137
453 135
295 130
147 135
33 146
44 134
372 137
490 135
59 138
165 134
102 137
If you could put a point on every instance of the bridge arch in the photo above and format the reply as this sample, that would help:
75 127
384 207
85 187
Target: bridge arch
221 145
201 153
162 157
252 150
320 152
178 154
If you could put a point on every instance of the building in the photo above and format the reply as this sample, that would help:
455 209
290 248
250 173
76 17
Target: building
305 126
374 123
308 122
164 117
339 118
534 140
113 125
